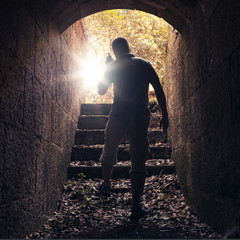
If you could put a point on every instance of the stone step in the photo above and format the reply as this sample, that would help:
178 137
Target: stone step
92 122
149 162
95 109
85 152
120 171
96 136
100 121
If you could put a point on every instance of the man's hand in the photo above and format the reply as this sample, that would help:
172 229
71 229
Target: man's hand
164 123
108 59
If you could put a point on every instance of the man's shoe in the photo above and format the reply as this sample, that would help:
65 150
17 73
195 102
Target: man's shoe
103 190
138 212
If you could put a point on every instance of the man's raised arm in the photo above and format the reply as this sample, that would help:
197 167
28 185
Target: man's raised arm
104 84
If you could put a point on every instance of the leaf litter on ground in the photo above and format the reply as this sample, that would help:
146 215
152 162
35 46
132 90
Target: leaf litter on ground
83 213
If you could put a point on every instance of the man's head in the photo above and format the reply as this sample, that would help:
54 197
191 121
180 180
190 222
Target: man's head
120 47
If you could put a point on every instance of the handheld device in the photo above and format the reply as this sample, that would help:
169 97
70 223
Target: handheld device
109 58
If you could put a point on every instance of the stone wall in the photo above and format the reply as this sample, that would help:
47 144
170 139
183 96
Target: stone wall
203 97
39 107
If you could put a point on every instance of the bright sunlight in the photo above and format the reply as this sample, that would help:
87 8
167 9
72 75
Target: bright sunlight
92 71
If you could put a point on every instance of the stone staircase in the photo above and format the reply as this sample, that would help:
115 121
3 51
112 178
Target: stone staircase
89 139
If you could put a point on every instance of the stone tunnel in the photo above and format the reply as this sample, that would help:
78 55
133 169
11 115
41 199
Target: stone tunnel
40 103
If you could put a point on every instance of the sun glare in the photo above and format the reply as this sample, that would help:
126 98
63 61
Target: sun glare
92 71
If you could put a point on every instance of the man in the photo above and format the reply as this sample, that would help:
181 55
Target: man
129 116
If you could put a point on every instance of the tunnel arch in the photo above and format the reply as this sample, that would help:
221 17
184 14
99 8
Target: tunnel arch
65 14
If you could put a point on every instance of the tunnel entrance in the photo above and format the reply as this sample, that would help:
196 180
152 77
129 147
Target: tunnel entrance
84 176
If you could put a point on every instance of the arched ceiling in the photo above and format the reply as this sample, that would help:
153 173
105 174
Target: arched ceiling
66 12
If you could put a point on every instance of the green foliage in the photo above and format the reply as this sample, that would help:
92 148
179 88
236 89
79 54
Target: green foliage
81 177
153 105
165 197
146 33
82 191
153 100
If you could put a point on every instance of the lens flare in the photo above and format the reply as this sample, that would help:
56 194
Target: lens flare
92 71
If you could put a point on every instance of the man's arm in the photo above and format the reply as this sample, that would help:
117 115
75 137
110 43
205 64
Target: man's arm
160 97
103 86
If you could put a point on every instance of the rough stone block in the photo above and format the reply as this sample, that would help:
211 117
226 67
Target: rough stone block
206 202
181 157
55 173
42 58
41 167
207 8
202 50
59 125
72 129
209 166
235 85
193 73
39 10
63 128
26 38
12 92
217 105
9 24
54 40
66 18
52 74
174 130
47 106
228 163
196 116
185 122
54 121
37 100
224 20
1 162
29 106
24 217
65 55
62 89
88 8
197 159
19 165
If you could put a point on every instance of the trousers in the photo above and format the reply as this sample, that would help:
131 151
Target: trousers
133 122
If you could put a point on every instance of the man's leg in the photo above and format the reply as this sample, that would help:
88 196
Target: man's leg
137 183
107 173
139 152
138 175
114 133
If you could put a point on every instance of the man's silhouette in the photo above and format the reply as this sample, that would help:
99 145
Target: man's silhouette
129 116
